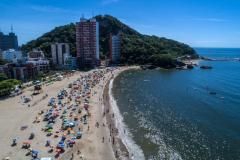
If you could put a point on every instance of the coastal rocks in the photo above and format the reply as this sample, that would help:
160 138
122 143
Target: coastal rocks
206 67
185 67
145 67
189 66
206 58
212 93
180 65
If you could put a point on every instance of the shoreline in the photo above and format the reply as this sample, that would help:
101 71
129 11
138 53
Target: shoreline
120 136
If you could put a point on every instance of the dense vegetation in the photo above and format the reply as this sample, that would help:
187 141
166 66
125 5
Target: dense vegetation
136 48
2 61
7 85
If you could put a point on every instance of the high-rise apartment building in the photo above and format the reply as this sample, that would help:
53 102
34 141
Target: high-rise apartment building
87 41
9 41
59 50
115 48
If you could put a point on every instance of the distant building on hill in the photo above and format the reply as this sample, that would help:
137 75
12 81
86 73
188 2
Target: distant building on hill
12 55
115 48
9 41
36 53
58 51
87 41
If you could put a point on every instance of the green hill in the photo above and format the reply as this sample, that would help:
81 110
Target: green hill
136 48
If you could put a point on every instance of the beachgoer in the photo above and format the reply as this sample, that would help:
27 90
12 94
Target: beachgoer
14 142
113 141
72 156
48 143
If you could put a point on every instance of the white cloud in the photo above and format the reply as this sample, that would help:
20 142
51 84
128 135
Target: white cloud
106 2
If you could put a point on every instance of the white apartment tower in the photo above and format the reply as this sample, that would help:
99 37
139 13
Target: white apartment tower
59 51
115 48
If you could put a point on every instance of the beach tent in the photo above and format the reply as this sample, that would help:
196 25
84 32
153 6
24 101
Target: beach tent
34 153
49 126
26 99
49 130
79 135
72 123
37 89
61 145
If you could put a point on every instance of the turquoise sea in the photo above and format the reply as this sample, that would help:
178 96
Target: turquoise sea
170 114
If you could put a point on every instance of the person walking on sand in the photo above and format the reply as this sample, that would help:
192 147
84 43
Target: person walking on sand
102 139
97 124
104 114
113 141
72 156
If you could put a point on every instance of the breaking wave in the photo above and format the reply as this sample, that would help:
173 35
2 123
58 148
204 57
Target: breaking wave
134 150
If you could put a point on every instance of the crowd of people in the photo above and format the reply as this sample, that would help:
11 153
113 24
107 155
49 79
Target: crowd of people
67 118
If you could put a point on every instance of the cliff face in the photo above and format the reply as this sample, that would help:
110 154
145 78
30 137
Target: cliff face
136 48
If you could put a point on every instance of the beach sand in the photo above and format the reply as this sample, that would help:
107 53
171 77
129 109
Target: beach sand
14 114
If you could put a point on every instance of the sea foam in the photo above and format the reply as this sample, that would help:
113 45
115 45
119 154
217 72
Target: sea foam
134 150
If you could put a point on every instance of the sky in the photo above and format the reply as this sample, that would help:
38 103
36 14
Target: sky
199 23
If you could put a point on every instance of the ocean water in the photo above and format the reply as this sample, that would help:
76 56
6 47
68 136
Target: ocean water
170 114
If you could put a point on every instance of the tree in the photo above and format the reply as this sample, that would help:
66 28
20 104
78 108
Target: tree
163 60
6 86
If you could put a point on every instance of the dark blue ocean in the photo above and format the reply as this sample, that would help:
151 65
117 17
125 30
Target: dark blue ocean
172 115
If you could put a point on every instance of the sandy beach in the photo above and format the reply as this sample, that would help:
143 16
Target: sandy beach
96 142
